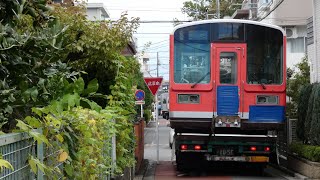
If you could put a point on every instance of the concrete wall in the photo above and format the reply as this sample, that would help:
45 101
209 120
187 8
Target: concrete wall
292 12
311 58
94 14
316 25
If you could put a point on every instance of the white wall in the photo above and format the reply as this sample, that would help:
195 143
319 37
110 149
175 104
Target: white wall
94 14
290 12
311 59
316 32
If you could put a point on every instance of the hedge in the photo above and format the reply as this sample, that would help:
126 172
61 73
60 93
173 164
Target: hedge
309 152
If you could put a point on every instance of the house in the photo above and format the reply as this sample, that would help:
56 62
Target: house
145 68
131 48
291 15
313 42
97 12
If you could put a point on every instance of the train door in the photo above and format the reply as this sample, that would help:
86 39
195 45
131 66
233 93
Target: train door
229 64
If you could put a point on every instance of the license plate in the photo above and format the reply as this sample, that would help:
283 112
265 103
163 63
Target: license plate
225 152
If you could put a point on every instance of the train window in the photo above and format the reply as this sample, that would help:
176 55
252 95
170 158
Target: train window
264 55
192 55
191 63
195 34
228 68
231 32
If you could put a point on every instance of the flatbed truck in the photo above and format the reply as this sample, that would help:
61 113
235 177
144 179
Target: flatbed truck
196 150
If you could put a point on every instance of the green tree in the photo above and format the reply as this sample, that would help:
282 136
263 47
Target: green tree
199 9
95 47
30 46
303 102
43 55
314 133
298 80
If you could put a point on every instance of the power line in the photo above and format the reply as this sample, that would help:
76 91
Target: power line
154 51
158 47
146 10
159 42
121 6
154 22
151 33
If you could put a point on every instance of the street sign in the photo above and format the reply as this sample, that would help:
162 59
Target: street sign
139 95
153 84
139 102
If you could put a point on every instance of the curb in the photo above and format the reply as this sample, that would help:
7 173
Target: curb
150 170
289 172
147 170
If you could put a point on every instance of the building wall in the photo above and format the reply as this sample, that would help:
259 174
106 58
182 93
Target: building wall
311 58
290 14
94 14
316 25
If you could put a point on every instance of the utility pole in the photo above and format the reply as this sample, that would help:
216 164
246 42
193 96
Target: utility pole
218 8
157 64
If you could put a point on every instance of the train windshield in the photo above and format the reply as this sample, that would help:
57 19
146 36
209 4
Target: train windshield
264 55
192 55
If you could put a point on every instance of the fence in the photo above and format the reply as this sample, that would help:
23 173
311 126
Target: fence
285 138
16 148
292 130
139 135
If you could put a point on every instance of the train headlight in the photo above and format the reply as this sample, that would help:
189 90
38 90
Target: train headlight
267 99
189 98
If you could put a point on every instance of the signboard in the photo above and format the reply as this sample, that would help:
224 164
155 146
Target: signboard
139 95
153 84
139 102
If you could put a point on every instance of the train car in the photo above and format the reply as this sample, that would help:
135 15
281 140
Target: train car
227 76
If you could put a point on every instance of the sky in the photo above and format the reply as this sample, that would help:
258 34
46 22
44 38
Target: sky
155 33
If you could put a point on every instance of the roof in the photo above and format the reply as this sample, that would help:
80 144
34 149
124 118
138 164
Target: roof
227 21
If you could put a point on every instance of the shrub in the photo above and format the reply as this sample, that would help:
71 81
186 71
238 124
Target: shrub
147 115
307 122
302 110
315 121
309 152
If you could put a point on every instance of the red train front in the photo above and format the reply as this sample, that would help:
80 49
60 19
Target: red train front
227 75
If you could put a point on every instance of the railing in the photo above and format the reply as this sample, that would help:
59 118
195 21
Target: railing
250 4
17 147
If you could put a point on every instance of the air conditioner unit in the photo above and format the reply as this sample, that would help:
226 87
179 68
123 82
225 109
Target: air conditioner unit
291 32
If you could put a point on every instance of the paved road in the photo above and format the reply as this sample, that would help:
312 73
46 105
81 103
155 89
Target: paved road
165 169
